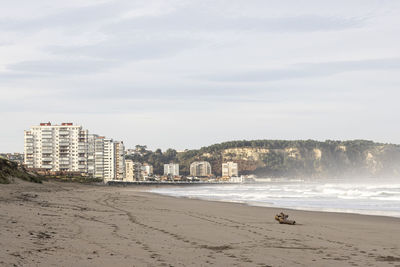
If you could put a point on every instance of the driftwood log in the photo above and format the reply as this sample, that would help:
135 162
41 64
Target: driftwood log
283 219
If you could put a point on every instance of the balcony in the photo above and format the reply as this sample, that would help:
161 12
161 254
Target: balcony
64 144
47 159
47 166
47 146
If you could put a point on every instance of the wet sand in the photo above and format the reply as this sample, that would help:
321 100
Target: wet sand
61 224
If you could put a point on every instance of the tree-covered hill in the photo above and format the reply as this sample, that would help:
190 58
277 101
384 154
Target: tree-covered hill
302 158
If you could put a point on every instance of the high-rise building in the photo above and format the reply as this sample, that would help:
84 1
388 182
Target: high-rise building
70 148
106 158
109 159
230 169
200 168
171 169
56 147
119 160
129 174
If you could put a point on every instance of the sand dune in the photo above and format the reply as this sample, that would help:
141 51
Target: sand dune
57 224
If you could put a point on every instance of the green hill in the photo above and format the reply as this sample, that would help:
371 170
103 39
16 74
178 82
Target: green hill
281 158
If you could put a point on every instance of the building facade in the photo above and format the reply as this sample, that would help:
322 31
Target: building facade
119 160
147 169
129 174
171 169
56 147
133 171
200 168
230 169
70 148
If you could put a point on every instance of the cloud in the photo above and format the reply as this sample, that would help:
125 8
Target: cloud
217 62
305 70
196 20
60 67
124 49
64 18
113 17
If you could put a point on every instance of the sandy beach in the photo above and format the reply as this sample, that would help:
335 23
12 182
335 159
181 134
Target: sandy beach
64 224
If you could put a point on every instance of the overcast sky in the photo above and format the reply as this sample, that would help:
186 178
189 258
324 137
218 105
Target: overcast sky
186 74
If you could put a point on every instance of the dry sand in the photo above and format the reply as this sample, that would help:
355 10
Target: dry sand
57 224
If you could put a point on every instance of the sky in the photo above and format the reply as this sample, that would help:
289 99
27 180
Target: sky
187 74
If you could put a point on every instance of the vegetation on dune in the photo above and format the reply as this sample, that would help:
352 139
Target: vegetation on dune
297 158
73 179
10 170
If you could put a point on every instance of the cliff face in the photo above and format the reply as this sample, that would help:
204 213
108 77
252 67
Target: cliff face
303 158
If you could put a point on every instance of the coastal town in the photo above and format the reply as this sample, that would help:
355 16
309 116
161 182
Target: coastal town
69 149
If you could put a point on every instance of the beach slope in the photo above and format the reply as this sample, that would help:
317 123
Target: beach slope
61 224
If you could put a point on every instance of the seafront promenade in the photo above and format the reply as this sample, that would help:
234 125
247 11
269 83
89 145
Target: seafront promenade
150 183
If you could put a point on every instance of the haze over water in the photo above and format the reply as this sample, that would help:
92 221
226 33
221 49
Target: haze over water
367 197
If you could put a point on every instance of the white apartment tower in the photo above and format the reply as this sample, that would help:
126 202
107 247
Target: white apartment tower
56 147
70 148
106 158
230 169
129 167
200 168
119 160
171 169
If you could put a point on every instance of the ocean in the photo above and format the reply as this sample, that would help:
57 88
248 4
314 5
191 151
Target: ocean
370 197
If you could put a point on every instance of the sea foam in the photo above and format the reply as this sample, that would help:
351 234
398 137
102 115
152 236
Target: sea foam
371 198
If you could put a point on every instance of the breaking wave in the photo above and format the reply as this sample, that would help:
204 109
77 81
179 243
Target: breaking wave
371 198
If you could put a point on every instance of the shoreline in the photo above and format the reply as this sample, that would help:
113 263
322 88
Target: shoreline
278 209
263 204
84 225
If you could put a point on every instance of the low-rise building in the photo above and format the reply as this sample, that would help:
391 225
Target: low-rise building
147 169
